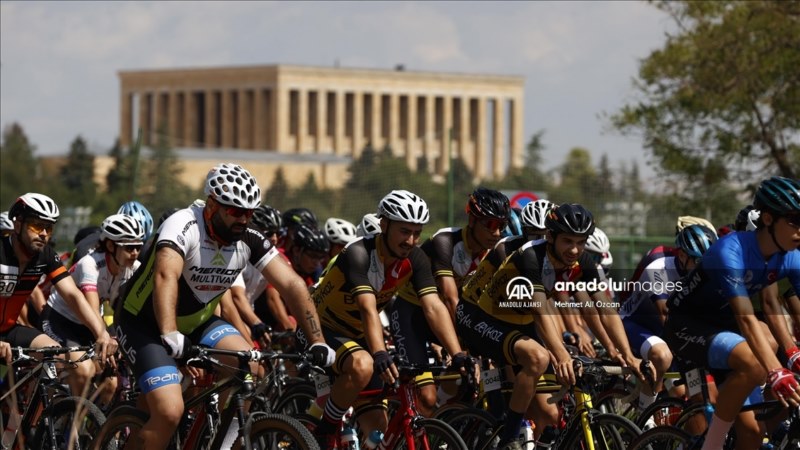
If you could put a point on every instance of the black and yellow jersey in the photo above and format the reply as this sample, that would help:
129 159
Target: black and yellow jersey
450 256
360 269
472 289
530 265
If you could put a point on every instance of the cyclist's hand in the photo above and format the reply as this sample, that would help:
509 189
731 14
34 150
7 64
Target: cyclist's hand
632 363
5 352
322 355
784 386
585 344
793 354
176 344
565 374
383 366
260 332
105 346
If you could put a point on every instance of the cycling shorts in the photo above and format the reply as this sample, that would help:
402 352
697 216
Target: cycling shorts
65 331
490 337
699 344
344 347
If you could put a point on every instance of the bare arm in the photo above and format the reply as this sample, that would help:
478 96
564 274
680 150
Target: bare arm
168 267
753 333
243 307
293 290
277 308
548 329
440 322
231 313
449 294
774 316
89 316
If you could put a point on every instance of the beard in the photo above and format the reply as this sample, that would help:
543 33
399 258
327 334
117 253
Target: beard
225 233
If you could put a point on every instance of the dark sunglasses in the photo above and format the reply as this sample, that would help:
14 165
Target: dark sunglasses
235 211
131 247
793 219
493 224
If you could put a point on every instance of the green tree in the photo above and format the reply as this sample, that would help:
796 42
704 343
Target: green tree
77 176
277 195
18 166
724 90
578 180
161 186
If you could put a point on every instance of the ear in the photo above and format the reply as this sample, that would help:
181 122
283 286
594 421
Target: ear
384 225
549 236
767 218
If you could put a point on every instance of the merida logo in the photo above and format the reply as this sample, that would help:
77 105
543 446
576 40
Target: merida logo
218 260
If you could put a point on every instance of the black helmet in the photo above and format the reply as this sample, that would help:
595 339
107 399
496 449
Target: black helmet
695 240
488 203
309 238
743 218
778 195
297 216
570 218
267 218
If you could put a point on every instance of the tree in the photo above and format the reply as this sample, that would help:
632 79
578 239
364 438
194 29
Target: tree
77 175
161 186
578 180
724 89
18 166
277 195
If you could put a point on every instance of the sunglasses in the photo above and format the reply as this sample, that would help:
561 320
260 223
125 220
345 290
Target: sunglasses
235 211
493 224
39 228
793 220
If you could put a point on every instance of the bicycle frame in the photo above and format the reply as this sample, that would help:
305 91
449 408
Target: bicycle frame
403 422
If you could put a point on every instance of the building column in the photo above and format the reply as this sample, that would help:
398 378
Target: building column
394 122
339 133
226 114
302 120
358 123
516 135
259 143
480 144
430 134
190 120
411 132
244 114
444 133
210 138
498 150
158 118
320 140
174 132
280 117
375 125
463 136
144 116
125 121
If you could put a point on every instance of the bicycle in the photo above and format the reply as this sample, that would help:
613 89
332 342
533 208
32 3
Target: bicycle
203 425
52 418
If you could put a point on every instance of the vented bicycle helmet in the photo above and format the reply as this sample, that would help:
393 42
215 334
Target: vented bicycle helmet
570 218
232 185
695 240
746 219
488 203
297 216
598 242
534 213
121 227
265 217
370 224
309 238
140 213
5 222
34 205
685 221
778 195
403 206
340 231
514 227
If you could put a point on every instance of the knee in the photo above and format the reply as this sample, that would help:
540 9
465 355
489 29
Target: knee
532 356
428 397
360 368
83 371
167 414
748 365
661 357
544 414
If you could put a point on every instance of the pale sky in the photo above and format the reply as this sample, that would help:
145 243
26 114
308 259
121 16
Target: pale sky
59 60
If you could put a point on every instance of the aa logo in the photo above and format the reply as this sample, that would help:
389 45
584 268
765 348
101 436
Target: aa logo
519 288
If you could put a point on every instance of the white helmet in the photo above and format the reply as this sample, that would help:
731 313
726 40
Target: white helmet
534 213
607 260
5 222
685 221
339 231
370 224
403 206
33 204
232 185
752 219
122 227
598 242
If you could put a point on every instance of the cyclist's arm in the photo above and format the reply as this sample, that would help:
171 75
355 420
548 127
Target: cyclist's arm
373 329
168 267
88 314
548 328
242 304
448 291
440 321
294 292
616 332
774 316
230 313
753 332
594 322
277 308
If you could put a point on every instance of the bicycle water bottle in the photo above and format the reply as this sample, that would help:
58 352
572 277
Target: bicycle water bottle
349 438
526 435
11 428
374 439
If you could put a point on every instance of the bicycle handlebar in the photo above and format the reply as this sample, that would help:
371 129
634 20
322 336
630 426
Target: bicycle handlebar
23 353
583 365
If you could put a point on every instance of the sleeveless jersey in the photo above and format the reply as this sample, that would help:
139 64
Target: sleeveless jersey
16 284
208 268
359 269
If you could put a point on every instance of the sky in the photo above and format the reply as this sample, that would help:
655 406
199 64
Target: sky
59 60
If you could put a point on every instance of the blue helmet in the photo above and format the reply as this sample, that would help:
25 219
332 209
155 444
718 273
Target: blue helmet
138 211
514 227
695 240
778 195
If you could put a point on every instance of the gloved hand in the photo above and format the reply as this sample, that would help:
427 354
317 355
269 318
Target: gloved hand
176 343
381 361
462 360
322 355
782 382
258 330
794 359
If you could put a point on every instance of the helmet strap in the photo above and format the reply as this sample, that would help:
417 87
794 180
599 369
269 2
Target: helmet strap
771 231
210 218
551 250
386 243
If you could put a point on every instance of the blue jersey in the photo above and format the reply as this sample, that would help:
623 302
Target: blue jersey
732 267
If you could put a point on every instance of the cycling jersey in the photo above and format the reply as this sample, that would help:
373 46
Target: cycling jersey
359 269
655 283
16 285
450 256
732 267
531 263
654 254
253 283
208 269
473 288
91 274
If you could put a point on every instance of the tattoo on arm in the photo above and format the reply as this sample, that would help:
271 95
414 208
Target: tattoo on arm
312 323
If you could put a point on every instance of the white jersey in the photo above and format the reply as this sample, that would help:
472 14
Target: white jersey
656 283
91 274
253 283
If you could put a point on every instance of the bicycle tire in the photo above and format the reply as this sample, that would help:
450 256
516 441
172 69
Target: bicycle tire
120 424
276 431
664 412
662 438
609 432
440 436
295 400
610 402
62 415
475 426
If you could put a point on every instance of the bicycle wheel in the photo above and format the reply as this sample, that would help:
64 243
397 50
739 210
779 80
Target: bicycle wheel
275 431
475 426
430 434
662 438
609 432
63 414
295 400
662 412
122 424
611 402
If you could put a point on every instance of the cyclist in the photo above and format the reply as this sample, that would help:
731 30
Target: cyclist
99 276
711 322
746 219
171 298
358 284
140 213
25 258
340 233
644 313
533 217
370 224
514 227
6 227
291 219
454 254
